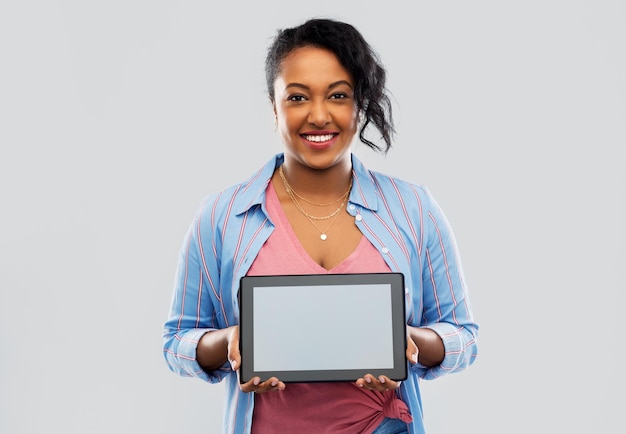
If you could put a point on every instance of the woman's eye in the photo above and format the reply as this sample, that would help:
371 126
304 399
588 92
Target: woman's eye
338 96
296 98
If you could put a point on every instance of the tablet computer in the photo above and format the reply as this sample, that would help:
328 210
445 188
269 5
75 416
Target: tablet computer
322 327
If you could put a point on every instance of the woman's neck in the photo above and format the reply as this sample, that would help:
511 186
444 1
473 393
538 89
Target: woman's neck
318 185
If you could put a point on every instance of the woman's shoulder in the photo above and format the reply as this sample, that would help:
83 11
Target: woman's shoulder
394 191
390 184
229 200
378 180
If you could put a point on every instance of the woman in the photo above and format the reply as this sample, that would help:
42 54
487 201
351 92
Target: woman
316 209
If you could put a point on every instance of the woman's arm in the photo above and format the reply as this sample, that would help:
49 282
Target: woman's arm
192 313
430 346
447 310
215 349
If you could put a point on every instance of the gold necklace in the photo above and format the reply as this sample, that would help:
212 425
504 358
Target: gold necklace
289 188
323 232
311 218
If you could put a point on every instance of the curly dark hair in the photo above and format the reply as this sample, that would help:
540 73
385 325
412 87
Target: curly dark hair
355 55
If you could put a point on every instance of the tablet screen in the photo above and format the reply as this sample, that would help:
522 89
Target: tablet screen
334 327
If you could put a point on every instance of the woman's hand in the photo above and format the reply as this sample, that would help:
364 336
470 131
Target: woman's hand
411 348
382 383
232 347
255 384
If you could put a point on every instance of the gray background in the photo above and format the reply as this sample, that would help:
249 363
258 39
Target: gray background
117 117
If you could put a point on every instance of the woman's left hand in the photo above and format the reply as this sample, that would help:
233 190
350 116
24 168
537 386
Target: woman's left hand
382 383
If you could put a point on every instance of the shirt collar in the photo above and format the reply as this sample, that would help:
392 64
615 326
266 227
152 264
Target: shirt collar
252 191
364 190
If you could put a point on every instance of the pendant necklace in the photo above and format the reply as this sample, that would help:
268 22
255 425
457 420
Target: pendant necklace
311 218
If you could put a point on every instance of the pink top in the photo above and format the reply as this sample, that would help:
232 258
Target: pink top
318 407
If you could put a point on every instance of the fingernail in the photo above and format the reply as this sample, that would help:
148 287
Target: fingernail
381 379
368 379
256 381
414 358
274 383
233 364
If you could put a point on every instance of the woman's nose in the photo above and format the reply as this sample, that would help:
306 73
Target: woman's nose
319 114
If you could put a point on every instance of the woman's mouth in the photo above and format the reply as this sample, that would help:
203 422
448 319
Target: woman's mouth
318 138
319 141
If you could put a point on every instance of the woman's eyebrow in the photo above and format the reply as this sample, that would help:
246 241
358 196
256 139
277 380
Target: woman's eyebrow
330 86
339 83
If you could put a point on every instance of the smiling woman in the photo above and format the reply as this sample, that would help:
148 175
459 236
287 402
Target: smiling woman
315 209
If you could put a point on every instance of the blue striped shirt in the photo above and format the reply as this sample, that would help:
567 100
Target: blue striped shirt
400 219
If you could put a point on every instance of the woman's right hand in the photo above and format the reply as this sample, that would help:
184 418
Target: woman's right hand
255 384
232 346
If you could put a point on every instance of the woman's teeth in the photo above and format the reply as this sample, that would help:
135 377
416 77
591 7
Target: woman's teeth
318 138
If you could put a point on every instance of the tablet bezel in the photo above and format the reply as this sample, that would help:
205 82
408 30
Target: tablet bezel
398 327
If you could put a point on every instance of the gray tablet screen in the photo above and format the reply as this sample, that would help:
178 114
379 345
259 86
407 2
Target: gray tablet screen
292 323
333 327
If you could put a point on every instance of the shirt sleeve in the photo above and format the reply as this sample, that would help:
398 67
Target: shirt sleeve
446 304
192 310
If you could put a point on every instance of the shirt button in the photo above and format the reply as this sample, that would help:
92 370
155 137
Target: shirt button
385 250
351 207
358 218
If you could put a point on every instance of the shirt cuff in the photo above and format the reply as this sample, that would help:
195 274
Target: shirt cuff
453 347
186 353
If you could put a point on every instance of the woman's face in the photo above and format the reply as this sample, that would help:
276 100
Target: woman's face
315 108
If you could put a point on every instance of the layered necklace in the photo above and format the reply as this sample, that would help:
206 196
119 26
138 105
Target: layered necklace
294 196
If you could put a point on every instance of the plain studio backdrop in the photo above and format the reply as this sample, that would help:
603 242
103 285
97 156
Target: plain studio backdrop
117 117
